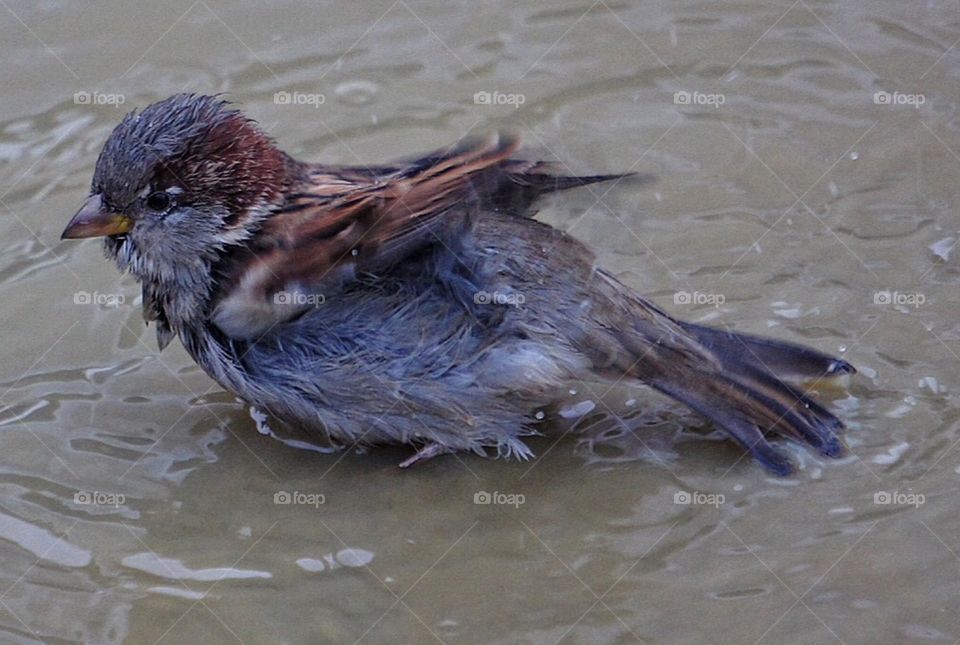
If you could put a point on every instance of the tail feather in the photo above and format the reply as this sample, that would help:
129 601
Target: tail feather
798 414
788 360
736 383
737 411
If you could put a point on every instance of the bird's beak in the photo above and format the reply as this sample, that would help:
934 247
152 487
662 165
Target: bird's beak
93 220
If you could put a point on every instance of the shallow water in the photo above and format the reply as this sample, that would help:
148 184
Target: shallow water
791 200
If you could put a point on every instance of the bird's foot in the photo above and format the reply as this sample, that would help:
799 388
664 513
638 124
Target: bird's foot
429 451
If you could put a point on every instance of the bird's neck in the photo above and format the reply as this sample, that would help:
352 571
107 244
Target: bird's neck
174 294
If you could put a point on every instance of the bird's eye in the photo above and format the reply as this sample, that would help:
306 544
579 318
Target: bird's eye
158 201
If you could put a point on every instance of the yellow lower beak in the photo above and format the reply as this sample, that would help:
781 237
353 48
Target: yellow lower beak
93 220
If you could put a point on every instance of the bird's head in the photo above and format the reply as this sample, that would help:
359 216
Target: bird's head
178 182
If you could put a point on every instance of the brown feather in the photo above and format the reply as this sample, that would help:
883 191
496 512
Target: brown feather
343 221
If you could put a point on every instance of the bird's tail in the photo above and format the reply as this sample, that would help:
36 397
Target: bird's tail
786 360
738 383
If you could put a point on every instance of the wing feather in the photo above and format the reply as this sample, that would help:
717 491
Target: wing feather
346 221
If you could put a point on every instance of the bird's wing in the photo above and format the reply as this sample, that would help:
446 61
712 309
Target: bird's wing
346 221
343 222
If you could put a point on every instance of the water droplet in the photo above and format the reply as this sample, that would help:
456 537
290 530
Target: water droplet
358 92
943 248
578 410
354 557
311 564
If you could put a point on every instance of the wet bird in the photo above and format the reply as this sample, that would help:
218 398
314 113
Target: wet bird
417 303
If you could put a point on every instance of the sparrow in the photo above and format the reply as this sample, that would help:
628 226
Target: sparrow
418 303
